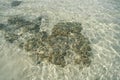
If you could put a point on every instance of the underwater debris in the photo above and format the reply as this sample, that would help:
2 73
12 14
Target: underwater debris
15 3
66 39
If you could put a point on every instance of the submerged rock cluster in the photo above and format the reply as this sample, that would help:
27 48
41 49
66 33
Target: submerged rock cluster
15 3
65 45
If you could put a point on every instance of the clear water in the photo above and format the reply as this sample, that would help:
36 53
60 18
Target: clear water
101 23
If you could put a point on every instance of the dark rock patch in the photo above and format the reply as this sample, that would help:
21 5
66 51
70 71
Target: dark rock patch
66 45
2 26
19 21
15 3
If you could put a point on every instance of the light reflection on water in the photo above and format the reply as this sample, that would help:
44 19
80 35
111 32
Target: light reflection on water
101 24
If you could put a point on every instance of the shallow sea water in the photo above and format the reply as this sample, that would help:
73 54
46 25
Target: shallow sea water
101 24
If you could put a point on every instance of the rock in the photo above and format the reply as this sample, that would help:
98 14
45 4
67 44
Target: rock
10 37
65 28
15 3
2 26
18 20
66 39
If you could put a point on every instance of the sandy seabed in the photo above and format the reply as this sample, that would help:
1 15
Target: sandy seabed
100 22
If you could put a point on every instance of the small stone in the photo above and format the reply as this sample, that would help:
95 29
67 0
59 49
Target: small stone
15 3
31 44
11 37
21 45
2 26
77 61
36 28
38 62
44 35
